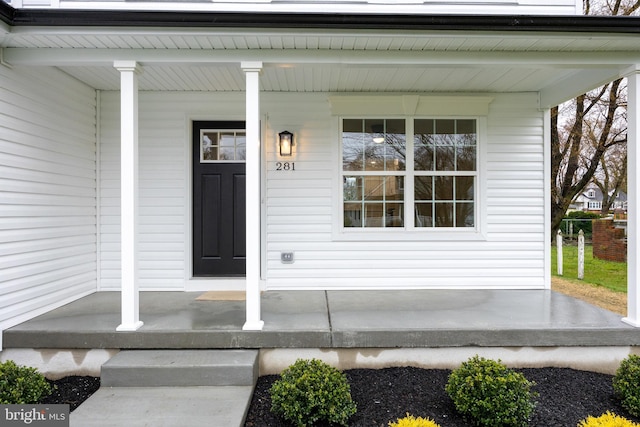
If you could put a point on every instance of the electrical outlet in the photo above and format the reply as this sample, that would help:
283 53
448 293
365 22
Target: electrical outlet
286 257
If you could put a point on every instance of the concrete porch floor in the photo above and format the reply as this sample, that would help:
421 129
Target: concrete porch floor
332 319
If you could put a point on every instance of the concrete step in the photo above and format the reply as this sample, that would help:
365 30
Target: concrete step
181 368
164 407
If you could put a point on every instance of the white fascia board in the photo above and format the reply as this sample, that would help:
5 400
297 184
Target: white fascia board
293 57
576 84
483 7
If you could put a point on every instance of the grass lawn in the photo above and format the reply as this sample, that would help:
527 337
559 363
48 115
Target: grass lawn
608 274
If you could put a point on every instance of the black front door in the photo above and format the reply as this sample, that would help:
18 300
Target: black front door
219 198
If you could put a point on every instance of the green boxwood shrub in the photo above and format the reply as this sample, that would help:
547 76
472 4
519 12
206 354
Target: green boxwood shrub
488 393
607 419
411 421
626 384
21 384
311 390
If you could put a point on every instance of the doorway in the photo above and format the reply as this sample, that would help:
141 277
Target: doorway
219 194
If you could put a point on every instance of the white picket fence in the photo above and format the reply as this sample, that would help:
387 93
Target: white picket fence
580 253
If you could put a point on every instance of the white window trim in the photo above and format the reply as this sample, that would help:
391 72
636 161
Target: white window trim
341 233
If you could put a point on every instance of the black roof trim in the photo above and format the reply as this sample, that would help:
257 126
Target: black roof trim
6 13
177 19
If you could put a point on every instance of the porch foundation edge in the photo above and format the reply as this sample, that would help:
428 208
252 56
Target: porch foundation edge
605 359
58 363
55 363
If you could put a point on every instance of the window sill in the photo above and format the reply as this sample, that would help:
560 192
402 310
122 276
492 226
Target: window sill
400 234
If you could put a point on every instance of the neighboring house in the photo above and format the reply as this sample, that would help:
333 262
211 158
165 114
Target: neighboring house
137 136
590 200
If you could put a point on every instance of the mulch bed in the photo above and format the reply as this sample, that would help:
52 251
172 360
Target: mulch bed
72 390
566 397
383 395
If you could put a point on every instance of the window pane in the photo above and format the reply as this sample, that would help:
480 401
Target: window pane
373 188
394 215
353 215
227 139
466 127
424 215
423 155
394 188
445 158
423 144
443 187
465 215
209 145
352 145
464 187
241 146
444 214
227 153
445 131
373 145
352 188
395 145
374 157
210 154
466 158
374 131
423 188
374 214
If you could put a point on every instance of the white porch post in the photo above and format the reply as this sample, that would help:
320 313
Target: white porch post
129 194
253 317
633 193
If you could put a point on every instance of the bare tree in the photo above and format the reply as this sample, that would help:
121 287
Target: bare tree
586 128
611 7
614 176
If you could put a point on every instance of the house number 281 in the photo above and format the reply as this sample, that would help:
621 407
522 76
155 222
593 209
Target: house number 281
285 166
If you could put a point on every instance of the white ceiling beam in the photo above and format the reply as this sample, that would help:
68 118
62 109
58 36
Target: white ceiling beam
577 84
292 57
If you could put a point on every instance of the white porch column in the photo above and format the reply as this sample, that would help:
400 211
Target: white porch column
129 194
252 175
633 196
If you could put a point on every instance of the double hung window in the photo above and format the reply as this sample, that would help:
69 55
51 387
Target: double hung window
418 173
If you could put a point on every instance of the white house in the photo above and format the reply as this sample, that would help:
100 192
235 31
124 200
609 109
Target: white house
591 200
137 136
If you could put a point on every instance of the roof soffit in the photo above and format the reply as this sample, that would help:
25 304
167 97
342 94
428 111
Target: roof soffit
556 63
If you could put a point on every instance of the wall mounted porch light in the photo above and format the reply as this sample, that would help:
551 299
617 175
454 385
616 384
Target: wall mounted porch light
285 143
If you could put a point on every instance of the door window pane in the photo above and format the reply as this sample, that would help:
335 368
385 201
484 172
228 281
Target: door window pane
220 145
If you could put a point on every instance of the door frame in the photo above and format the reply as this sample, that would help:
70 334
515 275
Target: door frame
203 284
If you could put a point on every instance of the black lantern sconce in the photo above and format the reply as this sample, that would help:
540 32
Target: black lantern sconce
285 143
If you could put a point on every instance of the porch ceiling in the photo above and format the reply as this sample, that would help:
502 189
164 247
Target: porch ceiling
559 66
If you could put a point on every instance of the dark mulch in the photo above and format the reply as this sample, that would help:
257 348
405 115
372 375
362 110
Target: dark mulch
72 390
566 397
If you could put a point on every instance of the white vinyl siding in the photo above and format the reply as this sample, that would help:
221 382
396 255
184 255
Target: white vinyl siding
163 196
299 206
508 254
47 191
